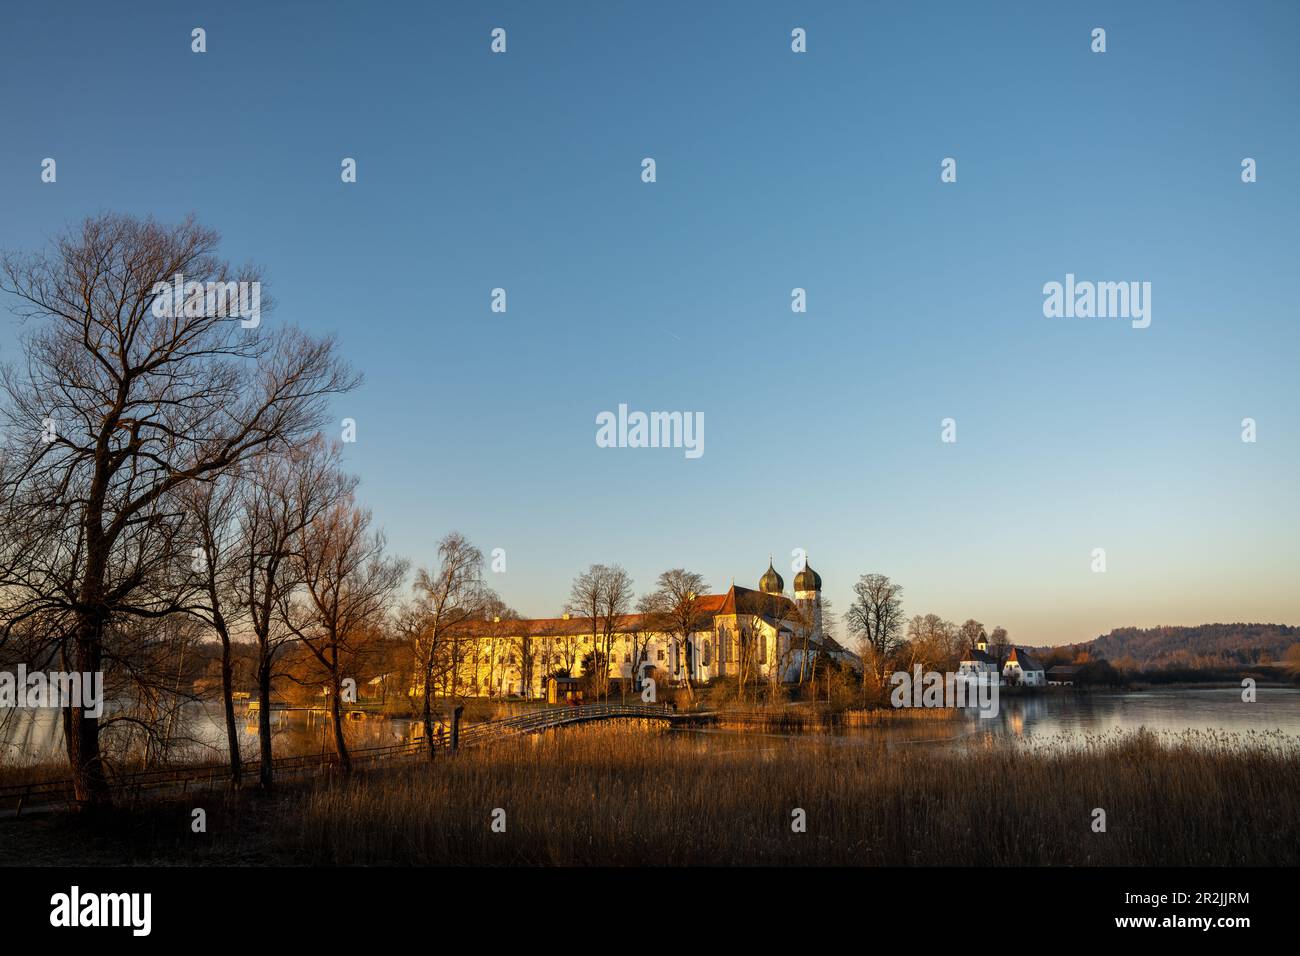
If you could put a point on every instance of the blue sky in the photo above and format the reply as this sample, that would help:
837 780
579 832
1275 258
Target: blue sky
775 171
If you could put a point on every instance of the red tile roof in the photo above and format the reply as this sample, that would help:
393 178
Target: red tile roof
736 600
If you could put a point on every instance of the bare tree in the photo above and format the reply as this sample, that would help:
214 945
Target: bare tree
499 633
999 643
615 602
450 596
972 632
639 635
571 651
602 595
118 406
676 607
522 643
212 509
749 639
805 628
281 495
347 582
778 611
932 641
584 602
875 616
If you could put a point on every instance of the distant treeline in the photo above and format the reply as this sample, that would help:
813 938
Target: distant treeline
1190 651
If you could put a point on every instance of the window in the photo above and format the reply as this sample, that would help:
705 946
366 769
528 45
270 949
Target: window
627 658
661 654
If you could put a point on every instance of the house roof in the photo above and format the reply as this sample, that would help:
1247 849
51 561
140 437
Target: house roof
830 644
1021 656
975 654
739 600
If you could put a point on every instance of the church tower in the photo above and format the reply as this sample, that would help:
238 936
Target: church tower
808 594
771 582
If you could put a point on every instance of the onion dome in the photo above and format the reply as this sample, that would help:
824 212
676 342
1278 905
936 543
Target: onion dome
771 582
807 579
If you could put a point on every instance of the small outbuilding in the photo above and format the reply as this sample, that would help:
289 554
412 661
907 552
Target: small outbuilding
562 690
1062 675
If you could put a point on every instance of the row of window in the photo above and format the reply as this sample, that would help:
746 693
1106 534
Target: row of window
725 653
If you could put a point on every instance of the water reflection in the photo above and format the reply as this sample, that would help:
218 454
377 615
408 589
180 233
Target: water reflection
35 736
1059 718
1161 710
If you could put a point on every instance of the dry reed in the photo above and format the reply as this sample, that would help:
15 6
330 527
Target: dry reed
623 795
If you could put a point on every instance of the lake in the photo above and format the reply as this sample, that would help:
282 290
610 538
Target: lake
1055 717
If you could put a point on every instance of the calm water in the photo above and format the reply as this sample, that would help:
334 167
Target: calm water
32 736
1074 717
1274 709
1067 718
36 736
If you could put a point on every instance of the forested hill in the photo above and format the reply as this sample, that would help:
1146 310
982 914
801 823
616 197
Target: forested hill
1206 645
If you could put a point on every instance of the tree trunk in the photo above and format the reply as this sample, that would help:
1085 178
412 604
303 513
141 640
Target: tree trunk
80 731
228 700
686 671
430 743
336 709
265 771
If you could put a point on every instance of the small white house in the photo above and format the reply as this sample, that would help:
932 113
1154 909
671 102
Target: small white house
1020 668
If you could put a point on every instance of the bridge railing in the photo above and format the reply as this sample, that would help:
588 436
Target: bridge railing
547 717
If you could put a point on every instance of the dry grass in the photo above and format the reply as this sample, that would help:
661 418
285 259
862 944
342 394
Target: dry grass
37 772
626 796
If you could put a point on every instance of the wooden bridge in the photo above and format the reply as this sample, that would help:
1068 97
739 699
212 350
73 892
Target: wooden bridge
550 718
130 787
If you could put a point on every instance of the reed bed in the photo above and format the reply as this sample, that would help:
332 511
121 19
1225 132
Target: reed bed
625 795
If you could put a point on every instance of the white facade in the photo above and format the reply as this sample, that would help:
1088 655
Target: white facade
1031 676
979 664
756 635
